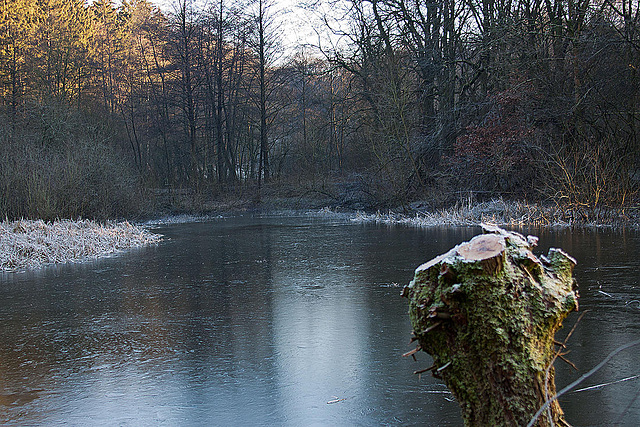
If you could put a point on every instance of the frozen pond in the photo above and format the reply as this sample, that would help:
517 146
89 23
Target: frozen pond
279 320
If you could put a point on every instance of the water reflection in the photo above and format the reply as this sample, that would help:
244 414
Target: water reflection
265 321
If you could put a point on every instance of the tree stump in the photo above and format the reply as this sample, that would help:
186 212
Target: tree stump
487 312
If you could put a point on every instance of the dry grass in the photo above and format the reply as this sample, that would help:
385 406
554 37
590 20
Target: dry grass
27 244
504 213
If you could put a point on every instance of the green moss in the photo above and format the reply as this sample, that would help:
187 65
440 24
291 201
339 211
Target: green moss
496 328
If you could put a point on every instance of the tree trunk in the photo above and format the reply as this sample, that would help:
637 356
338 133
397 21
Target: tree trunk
487 312
263 170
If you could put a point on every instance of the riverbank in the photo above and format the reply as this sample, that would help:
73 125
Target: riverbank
29 244
467 211
505 213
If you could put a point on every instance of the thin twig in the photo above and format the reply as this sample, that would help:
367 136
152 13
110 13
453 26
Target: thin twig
595 387
558 354
568 362
422 371
582 378
623 413
431 328
412 352
443 367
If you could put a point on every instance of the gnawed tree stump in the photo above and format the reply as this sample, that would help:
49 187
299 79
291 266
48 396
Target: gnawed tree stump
487 312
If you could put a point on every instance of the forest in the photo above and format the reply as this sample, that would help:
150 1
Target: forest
105 107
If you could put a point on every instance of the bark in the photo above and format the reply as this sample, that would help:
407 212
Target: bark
487 312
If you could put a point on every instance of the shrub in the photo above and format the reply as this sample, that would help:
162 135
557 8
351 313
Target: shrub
55 163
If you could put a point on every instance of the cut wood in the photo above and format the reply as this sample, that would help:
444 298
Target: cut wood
482 247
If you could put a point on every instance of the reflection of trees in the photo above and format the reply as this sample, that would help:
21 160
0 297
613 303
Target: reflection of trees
208 298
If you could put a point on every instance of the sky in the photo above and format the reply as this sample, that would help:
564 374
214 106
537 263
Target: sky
304 24
299 22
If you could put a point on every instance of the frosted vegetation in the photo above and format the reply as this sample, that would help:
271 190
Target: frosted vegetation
28 244
498 212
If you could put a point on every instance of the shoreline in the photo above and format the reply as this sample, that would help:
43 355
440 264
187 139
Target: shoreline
33 244
467 211
506 214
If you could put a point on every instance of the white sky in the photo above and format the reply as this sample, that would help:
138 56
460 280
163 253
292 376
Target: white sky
298 24
304 25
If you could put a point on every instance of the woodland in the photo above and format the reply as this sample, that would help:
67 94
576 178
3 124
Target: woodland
108 110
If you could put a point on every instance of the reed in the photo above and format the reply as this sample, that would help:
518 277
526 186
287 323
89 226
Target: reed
29 244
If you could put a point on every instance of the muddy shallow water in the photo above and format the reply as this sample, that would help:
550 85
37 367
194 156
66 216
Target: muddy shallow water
278 320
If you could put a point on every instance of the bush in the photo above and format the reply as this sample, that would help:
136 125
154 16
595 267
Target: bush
55 163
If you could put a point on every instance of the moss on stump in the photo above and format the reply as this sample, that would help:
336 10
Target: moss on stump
487 312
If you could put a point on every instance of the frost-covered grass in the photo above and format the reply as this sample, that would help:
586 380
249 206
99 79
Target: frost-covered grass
181 219
502 213
28 244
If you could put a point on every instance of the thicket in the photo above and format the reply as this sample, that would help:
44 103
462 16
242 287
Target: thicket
58 163
431 100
